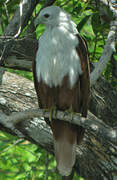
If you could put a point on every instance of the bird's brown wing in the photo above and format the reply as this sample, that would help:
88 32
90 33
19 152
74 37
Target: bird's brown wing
82 51
36 84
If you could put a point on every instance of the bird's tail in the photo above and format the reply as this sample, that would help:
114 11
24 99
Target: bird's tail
65 140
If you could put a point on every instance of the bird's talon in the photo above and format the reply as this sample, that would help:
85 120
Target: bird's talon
70 110
52 113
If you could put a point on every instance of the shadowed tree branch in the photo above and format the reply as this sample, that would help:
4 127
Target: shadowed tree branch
91 123
16 25
109 48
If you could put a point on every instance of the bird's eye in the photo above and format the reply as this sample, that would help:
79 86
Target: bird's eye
46 15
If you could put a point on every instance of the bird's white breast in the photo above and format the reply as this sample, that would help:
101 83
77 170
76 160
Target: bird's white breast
57 57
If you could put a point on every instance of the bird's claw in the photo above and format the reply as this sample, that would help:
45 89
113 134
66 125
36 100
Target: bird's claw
70 110
52 113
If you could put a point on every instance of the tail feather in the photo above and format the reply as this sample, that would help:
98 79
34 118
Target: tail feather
65 154
65 140
70 177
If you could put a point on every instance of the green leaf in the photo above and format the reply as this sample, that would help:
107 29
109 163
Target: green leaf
83 22
95 21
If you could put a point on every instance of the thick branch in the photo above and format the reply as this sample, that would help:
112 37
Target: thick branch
16 25
22 54
111 5
91 123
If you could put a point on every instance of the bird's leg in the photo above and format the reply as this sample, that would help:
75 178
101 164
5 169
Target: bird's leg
52 113
70 110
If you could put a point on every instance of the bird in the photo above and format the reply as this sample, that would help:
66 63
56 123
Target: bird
62 80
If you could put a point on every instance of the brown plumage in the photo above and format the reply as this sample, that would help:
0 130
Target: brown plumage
66 135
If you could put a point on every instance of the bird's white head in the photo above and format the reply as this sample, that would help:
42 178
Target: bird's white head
49 15
55 16
52 15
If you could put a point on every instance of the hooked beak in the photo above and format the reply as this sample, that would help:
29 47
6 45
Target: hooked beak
37 21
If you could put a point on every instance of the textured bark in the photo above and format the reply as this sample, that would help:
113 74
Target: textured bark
21 55
1 74
16 25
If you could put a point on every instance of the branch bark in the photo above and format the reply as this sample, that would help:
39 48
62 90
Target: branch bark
16 25
109 48
20 18
111 6
91 123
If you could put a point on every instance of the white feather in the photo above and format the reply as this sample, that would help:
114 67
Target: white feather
56 56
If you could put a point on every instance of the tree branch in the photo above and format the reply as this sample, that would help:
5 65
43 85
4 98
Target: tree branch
20 18
109 48
91 123
16 25
111 6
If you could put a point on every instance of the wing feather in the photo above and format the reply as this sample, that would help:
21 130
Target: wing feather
36 84
82 51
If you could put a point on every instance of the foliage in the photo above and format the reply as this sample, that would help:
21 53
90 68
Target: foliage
19 159
25 74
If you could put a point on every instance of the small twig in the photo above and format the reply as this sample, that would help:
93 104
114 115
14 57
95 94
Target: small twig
20 24
7 14
7 1
2 56
9 147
